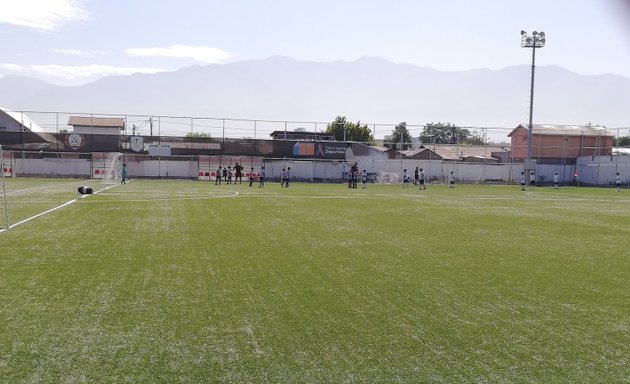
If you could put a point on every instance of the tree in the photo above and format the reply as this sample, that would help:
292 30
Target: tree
400 134
342 130
623 141
475 138
438 133
441 133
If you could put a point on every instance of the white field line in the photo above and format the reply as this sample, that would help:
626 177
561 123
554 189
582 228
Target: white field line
254 196
44 187
52 209
242 196
178 197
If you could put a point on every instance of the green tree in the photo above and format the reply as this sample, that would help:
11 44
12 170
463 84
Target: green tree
623 141
475 138
447 133
342 130
400 134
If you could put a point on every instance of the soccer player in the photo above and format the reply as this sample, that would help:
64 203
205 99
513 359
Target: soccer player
123 175
354 173
405 179
421 180
229 175
416 176
451 180
363 179
532 180
251 176
238 169
217 179
261 177
556 179
522 181
617 181
283 177
286 184
225 174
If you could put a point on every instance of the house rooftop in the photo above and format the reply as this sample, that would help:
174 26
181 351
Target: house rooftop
457 152
566 130
102 122
23 119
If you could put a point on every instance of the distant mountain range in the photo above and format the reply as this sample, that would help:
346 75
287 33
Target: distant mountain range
371 90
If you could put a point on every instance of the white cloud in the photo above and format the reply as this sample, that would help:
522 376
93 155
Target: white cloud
80 52
73 52
201 54
44 15
76 73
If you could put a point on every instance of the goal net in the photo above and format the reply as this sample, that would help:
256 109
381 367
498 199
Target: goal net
4 205
387 178
107 167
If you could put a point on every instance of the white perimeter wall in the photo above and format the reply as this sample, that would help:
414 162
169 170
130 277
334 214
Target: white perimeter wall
163 168
52 167
591 170
601 170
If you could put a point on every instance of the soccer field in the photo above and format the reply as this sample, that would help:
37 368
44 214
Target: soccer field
186 282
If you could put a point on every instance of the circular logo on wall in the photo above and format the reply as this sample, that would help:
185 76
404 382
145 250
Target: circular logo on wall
75 141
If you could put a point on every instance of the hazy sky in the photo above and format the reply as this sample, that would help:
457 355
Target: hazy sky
77 41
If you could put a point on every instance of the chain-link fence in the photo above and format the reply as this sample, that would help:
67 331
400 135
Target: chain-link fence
63 144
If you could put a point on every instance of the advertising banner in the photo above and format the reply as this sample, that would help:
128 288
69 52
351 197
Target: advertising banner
320 150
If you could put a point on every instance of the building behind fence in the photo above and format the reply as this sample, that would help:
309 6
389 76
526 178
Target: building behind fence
72 145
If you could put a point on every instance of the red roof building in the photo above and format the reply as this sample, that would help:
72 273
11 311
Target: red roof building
554 144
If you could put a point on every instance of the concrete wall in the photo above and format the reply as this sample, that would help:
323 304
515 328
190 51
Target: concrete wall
591 170
52 167
601 170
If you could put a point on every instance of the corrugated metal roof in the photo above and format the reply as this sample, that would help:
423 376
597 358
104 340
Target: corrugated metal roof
565 130
23 119
455 152
412 152
458 152
102 122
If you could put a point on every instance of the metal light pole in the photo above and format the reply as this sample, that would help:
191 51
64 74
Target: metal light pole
537 40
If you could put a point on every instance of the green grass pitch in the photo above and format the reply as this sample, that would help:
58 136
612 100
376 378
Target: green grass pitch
188 282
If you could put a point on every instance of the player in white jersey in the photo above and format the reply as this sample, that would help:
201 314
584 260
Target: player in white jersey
532 180
421 184
556 179
523 180
617 181
451 180
406 179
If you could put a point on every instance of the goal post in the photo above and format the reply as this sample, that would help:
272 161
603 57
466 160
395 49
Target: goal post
4 224
387 178
107 166
113 171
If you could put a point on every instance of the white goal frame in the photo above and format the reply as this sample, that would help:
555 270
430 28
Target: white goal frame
113 169
387 178
5 203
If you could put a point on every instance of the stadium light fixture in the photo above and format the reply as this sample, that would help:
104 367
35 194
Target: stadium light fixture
536 40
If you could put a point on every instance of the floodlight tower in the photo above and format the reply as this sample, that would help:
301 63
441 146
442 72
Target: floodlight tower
537 40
